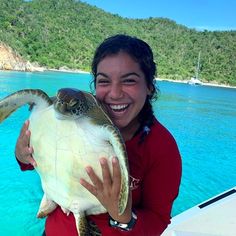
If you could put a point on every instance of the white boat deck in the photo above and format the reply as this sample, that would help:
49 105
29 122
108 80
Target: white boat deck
215 217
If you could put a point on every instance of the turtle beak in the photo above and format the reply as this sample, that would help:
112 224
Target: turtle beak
60 110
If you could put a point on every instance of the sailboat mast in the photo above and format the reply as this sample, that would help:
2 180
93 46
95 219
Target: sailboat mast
198 65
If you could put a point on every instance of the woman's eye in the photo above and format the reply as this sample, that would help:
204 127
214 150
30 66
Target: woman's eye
102 81
129 81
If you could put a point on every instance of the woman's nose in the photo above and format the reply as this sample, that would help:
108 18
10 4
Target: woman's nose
116 91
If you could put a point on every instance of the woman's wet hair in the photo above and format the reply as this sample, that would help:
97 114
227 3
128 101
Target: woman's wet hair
141 52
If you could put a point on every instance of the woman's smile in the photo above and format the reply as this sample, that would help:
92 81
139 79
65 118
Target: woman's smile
117 109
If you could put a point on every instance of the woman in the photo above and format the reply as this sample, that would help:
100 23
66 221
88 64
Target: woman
124 71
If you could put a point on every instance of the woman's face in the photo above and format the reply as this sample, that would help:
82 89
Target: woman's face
121 87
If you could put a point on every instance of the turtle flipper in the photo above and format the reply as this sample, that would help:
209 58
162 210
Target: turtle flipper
84 227
46 206
81 224
22 97
115 139
5 112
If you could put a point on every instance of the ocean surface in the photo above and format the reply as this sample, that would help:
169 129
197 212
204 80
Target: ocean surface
201 118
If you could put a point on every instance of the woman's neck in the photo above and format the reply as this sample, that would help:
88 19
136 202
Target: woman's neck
129 131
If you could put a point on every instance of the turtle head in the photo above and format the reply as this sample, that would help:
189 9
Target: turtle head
70 103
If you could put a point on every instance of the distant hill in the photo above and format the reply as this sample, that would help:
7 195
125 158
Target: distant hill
60 33
11 60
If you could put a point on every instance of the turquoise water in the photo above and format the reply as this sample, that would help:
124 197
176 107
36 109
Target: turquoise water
201 118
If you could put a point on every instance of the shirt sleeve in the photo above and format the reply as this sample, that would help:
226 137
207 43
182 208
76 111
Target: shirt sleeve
24 166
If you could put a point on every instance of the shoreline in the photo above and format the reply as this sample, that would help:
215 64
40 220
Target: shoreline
68 71
202 84
65 70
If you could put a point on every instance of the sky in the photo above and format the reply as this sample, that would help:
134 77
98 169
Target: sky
197 14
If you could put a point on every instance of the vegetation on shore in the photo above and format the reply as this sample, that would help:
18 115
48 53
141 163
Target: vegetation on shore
60 33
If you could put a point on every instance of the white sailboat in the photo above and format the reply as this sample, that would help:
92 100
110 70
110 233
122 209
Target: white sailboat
196 80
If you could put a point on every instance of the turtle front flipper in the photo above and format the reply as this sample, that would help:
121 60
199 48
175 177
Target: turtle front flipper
115 139
112 135
109 132
22 97
99 117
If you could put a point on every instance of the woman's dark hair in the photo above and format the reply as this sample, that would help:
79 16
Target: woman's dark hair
141 52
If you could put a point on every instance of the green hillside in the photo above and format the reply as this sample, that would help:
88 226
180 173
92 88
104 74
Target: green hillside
59 33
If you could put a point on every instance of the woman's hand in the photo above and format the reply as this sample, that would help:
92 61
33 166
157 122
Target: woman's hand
23 151
107 191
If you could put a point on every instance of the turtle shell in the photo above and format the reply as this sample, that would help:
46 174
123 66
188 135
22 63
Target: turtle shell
64 145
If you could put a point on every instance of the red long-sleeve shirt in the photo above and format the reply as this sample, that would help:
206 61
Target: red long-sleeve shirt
155 173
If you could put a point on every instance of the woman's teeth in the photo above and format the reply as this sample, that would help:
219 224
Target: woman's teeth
118 108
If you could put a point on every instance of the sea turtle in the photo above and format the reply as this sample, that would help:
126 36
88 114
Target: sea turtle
69 133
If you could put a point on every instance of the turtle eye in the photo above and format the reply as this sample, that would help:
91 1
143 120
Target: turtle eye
73 103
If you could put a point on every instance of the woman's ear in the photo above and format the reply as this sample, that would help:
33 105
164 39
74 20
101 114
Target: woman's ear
150 90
